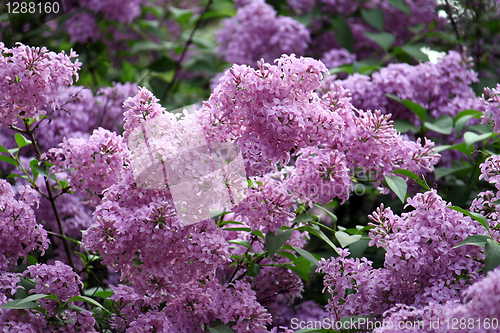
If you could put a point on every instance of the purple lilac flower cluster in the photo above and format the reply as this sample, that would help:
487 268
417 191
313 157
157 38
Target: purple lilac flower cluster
476 311
421 264
256 32
492 107
441 88
272 110
93 165
19 231
29 81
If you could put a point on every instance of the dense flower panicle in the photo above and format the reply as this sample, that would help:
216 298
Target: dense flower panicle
420 267
80 112
337 58
129 224
19 231
195 304
82 27
29 80
267 207
245 40
442 88
93 165
320 176
477 311
266 111
490 170
419 248
492 107
58 279
341 274
143 106
115 10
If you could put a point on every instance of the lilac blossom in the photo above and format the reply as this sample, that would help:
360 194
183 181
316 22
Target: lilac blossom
19 231
29 80
245 40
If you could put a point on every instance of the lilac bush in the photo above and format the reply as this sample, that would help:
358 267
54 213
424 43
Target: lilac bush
241 213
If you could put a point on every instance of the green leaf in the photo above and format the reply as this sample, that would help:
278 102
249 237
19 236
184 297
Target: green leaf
164 64
42 170
475 113
374 17
220 329
442 125
3 149
460 123
384 39
401 5
417 28
317 232
412 176
404 125
345 239
21 140
308 256
330 214
31 260
33 165
441 172
253 269
492 252
471 137
478 217
415 51
343 32
182 16
416 108
27 303
86 299
397 185
478 240
258 233
275 241
238 229
286 254
241 242
8 160
302 218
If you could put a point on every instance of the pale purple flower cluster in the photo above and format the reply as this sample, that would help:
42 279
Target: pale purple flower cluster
123 12
274 109
82 27
93 165
143 106
19 231
195 304
337 58
58 279
80 112
321 175
29 81
129 224
256 31
441 88
420 266
267 206
477 311
492 107
418 248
